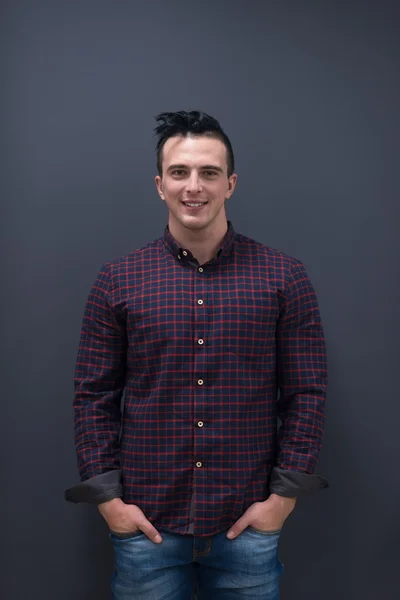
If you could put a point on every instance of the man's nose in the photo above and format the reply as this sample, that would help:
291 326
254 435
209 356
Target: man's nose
194 184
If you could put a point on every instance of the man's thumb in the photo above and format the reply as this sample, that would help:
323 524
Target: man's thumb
237 528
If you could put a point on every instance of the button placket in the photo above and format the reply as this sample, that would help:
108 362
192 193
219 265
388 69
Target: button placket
200 327
200 368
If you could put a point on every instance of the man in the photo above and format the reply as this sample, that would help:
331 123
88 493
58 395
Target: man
213 337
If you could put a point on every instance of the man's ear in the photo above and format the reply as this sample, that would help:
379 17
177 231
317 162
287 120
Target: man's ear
231 185
158 182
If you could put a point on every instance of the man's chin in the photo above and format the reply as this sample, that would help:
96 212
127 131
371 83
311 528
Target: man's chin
194 223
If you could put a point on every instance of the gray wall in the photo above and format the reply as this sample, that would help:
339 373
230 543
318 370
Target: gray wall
309 93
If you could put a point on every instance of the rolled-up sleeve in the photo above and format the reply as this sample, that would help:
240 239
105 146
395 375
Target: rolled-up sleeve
99 385
302 381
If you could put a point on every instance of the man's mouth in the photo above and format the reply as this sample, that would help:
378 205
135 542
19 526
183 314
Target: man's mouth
194 204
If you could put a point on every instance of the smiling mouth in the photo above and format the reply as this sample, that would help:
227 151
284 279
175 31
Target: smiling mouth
194 204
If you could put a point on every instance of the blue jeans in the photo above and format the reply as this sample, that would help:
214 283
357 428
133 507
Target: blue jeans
217 568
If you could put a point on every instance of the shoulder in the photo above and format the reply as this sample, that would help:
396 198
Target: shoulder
122 275
264 253
135 259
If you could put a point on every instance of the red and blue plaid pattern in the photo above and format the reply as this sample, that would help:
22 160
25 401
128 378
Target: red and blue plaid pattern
200 353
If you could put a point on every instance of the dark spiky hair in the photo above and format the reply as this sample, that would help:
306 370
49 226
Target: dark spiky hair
193 123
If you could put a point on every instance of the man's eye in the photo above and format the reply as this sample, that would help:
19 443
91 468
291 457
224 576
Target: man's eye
210 173
178 172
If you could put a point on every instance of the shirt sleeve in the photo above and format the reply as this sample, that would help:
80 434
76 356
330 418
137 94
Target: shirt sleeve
97 489
302 381
99 385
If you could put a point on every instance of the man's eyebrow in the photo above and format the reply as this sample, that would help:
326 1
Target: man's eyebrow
171 167
213 168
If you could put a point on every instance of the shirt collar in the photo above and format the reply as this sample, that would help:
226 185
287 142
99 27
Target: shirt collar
184 254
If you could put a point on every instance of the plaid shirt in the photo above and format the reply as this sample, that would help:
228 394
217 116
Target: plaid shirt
201 353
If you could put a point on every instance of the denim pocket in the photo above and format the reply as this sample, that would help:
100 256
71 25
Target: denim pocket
125 536
266 533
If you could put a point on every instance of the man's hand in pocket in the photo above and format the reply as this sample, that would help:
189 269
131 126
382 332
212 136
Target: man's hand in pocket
269 515
127 518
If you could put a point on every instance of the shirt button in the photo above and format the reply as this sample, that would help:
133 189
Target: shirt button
200 381
200 342
179 256
200 424
201 269
184 253
200 301
199 464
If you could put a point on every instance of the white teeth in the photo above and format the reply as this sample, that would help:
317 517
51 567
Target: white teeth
193 204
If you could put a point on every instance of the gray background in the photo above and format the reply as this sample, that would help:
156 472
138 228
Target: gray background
309 94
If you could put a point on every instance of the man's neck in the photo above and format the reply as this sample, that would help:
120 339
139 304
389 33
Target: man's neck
203 244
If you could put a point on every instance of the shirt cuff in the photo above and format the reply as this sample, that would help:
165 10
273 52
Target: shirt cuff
97 489
284 482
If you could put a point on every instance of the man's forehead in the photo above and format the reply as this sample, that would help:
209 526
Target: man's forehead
200 148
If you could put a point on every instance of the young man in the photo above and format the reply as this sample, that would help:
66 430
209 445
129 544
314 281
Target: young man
213 337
